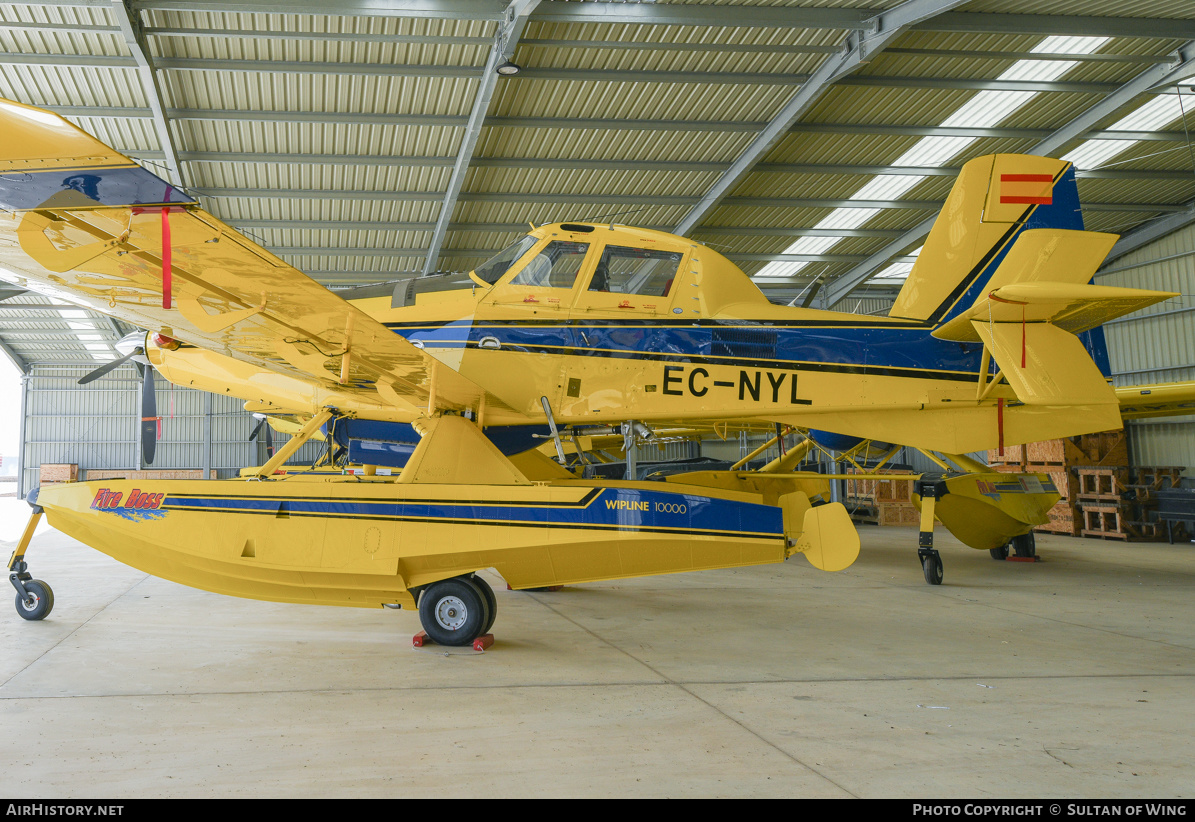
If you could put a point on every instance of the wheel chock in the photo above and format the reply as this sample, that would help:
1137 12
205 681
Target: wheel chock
1023 559
479 645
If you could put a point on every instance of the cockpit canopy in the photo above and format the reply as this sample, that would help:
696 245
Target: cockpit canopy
597 267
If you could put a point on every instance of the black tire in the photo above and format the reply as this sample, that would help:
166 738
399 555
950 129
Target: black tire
1000 554
932 567
1025 545
453 611
40 602
491 601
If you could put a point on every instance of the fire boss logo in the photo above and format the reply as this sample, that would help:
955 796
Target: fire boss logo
111 500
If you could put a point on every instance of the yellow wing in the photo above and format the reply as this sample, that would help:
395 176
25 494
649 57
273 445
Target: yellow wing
86 223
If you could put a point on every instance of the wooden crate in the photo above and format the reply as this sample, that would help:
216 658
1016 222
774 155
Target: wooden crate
58 472
1014 455
1065 519
1064 478
885 513
880 490
1104 448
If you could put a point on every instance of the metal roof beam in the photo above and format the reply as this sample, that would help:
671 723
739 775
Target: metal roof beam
356 225
427 9
621 45
620 199
15 358
859 48
579 163
558 11
546 73
305 251
1076 128
334 36
509 32
713 126
1066 24
130 26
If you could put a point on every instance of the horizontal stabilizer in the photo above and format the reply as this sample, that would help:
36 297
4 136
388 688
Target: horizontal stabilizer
1057 369
1045 278
1072 307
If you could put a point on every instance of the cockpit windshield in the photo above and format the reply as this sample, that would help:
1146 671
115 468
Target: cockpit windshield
492 269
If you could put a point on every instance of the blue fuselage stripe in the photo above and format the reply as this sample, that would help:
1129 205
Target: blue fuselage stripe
624 509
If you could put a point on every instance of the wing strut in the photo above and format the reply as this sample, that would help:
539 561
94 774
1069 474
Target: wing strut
552 426
296 442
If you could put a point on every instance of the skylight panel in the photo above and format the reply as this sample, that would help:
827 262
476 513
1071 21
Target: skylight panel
985 110
1158 112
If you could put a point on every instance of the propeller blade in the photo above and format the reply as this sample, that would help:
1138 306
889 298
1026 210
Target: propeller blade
109 366
256 429
149 417
269 440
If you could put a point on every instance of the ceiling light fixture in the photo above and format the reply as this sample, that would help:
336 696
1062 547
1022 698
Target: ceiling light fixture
509 69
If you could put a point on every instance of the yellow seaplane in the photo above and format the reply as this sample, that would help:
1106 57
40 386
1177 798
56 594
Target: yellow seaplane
576 329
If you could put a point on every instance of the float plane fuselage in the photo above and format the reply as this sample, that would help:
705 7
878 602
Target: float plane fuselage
993 339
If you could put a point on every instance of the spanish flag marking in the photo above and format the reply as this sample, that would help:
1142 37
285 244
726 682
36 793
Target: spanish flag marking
1032 189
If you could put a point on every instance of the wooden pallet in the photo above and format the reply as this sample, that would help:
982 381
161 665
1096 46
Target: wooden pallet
1106 484
1107 521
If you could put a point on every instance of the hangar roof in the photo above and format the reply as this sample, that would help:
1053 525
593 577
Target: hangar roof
367 140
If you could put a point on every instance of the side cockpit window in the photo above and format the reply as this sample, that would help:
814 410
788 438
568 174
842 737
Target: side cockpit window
492 269
556 266
644 271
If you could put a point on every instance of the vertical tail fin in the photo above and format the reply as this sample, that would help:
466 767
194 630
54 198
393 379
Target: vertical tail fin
994 199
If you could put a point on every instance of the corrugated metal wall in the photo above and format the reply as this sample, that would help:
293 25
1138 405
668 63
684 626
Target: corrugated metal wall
97 426
1158 344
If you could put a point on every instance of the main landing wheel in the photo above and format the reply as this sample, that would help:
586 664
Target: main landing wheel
490 600
1000 554
39 602
454 611
1025 545
932 567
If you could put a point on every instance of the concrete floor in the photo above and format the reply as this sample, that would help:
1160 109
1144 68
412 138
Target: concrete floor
1074 677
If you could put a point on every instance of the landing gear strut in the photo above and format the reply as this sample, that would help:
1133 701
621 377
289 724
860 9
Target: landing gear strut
35 599
930 488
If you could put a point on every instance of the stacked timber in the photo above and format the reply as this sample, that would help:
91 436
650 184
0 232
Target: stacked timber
881 501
